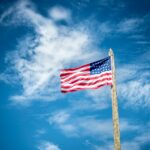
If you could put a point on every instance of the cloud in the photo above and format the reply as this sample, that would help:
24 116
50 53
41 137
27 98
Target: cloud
45 145
106 3
124 26
143 42
141 139
60 13
4 78
133 85
91 126
128 25
87 125
128 145
109 146
75 126
60 119
135 28
126 125
40 55
135 92
91 103
4 16
40 132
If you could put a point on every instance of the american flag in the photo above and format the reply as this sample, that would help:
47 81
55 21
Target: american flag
89 76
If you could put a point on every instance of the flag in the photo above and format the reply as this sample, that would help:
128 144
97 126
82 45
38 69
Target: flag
89 76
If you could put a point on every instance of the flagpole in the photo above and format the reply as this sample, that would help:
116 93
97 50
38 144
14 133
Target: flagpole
115 116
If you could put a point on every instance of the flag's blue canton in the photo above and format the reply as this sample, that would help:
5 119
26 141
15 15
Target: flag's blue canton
100 66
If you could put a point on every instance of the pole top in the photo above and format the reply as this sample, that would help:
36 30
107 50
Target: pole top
111 52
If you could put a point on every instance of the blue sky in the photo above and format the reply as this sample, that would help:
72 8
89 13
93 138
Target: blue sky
38 38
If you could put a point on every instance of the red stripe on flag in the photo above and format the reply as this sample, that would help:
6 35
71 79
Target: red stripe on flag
85 83
76 89
81 76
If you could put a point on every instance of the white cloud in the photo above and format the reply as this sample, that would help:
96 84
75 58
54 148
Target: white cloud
106 3
128 25
133 87
3 77
45 145
142 138
143 42
40 132
126 72
128 145
39 56
90 104
60 13
126 126
105 28
59 117
83 126
89 125
125 26
101 95
109 146
135 92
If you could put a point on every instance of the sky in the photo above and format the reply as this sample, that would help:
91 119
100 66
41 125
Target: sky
38 39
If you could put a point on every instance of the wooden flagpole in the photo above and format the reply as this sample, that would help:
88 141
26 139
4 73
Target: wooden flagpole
117 145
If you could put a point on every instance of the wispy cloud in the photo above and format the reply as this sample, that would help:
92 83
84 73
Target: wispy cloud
129 25
109 146
89 125
135 92
46 145
41 54
143 42
50 47
4 78
84 126
141 138
40 132
133 85
124 26
110 4
72 125
60 13
60 119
